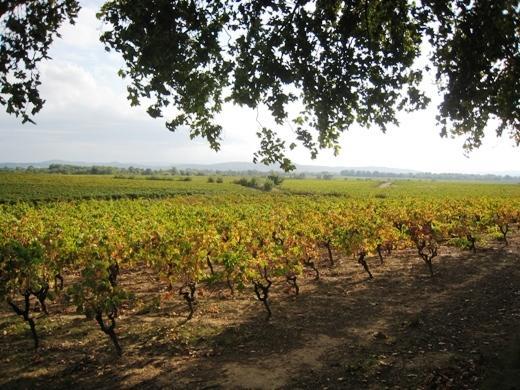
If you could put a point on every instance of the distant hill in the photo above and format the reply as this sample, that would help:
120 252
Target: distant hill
46 164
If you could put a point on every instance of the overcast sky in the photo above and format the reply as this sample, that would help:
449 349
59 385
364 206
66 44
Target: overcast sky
87 118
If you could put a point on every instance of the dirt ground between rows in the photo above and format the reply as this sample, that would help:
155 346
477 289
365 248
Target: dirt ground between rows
401 330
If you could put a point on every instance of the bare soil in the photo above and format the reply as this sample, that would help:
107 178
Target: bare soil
385 184
400 330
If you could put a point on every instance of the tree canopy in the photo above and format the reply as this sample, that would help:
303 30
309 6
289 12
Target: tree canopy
342 62
27 28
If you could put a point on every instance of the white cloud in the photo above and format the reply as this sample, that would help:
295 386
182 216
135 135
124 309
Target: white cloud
84 34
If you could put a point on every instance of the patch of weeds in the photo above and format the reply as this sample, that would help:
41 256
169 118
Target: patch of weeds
12 326
196 333
151 306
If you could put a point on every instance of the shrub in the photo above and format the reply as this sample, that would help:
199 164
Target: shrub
242 181
251 183
275 179
268 185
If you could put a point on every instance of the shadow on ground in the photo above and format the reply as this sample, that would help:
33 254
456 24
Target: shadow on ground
403 328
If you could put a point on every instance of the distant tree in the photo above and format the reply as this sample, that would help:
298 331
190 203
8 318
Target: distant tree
344 62
275 179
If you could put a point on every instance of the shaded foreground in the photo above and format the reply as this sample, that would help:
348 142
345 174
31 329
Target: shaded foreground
403 329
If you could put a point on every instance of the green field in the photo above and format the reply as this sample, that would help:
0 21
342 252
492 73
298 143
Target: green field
37 187
27 186
400 188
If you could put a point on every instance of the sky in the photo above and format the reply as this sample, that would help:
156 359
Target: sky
88 118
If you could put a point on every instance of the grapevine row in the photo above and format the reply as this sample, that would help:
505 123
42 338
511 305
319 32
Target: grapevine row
80 248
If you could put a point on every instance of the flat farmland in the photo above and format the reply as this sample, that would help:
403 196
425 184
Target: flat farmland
42 187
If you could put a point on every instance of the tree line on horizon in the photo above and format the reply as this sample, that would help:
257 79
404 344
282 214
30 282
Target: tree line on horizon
130 172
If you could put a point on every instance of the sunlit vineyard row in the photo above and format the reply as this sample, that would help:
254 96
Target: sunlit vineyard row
242 242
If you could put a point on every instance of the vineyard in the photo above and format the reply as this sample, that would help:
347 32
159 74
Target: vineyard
32 187
91 258
44 187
